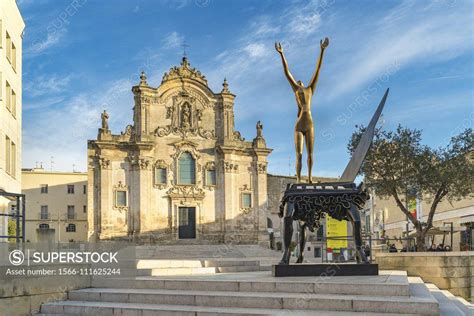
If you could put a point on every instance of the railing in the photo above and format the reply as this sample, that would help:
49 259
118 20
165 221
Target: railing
44 215
71 215
18 216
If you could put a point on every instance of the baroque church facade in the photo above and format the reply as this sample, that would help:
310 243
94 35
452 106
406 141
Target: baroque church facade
181 171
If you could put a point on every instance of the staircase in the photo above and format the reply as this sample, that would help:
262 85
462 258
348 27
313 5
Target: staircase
152 267
249 293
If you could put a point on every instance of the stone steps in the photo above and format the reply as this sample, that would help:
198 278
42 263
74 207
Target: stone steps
383 285
450 304
192 263
252 293
265 300
109 309
202 270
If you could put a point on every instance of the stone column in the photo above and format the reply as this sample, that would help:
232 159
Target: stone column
144 194
231 202
105 196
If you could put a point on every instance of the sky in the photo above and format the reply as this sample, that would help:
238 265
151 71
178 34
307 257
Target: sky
83 56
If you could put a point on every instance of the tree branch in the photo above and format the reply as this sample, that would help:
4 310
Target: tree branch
403 208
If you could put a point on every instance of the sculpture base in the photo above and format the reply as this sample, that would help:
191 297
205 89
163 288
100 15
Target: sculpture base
324 269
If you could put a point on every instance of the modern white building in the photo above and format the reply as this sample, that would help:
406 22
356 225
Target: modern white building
56 205
11 36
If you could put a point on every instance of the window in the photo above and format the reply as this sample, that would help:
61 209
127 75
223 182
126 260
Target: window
71 228
367 223
210 177
44 226
70 212
121 198
44 189
13 103
9 47
187 169
7 154
84 209
44 212
8 92
84 189
13 158
70 189
160 175
246 200
13 52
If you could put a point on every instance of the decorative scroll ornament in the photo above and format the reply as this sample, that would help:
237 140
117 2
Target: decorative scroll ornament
104 163
237 136
261 168
142 163
311 208
230 167
186 192
184 71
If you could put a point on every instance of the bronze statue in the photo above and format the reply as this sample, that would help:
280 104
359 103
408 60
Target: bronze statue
304 128
105 120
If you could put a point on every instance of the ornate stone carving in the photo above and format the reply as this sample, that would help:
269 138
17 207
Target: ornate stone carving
162 165
245 187
185 116
120 187
225 87
261 168
230 167
129 130
142 163
238 137
104 163
184 71
186 192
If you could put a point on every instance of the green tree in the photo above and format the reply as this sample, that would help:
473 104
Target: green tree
398 162
11 229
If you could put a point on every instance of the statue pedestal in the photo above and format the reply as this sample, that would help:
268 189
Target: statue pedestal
324 269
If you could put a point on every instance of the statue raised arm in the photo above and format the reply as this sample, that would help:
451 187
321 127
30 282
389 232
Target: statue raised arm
288 74
314 79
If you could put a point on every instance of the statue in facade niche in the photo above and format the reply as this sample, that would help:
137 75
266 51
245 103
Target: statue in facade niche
186 116
304 128
105 120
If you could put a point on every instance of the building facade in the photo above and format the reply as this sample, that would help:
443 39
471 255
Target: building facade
11 36
384 219
56 205
181 171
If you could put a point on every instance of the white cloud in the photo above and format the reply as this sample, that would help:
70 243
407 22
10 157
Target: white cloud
47 84
63 131
173 40
256 50
404 38
40 46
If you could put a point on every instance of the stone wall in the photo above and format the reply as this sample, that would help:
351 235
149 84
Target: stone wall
452 271
24 295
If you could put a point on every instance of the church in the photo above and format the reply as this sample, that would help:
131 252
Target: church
181 171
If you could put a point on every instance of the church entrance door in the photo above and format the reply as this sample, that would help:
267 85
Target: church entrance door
187 222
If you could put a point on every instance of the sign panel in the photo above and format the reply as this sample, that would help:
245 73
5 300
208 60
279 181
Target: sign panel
335 228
